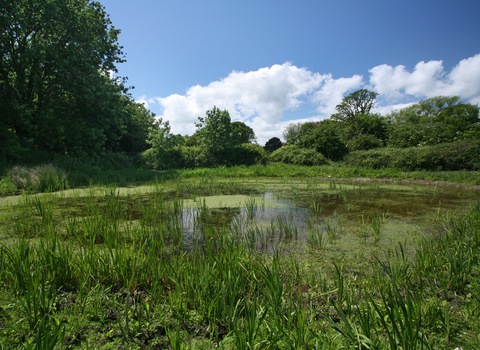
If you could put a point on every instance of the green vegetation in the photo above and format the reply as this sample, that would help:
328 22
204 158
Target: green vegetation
199 257
56 92
109 268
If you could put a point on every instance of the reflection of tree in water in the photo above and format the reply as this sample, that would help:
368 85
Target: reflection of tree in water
217 217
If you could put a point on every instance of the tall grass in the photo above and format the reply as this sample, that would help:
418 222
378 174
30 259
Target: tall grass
118 270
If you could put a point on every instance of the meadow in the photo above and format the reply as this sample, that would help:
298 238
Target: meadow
254 257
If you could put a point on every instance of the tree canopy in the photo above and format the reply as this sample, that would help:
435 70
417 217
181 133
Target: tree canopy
358 102
244 133
273 144
216 133
435 120
56 92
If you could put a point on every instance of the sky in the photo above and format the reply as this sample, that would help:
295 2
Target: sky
272 63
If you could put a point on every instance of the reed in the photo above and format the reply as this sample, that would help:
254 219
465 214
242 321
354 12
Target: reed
121 264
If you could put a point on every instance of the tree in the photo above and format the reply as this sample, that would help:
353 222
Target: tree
56 93
163 152
216 134
325 138
139 121
244 133
192 141
358 102
273 144
291 133
435 120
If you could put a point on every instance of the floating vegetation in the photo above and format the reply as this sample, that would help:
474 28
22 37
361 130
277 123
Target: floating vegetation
241 264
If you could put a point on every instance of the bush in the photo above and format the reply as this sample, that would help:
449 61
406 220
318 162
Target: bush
182 157
41 178
247 154
461 155
298 156
364 142
324 138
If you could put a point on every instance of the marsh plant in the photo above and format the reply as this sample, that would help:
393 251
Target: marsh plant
41 178
333 227
117 270
377 221
317 237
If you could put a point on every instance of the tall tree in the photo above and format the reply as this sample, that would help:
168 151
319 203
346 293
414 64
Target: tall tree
216 134
358 102
56 93
244 133
291 133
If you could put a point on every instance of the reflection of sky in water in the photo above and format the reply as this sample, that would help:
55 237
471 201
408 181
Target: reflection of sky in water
407 211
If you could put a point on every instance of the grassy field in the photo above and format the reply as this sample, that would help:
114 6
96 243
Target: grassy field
108 268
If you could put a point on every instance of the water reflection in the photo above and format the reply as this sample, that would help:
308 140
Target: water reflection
335 219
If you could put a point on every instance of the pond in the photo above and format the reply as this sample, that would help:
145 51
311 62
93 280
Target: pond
327 218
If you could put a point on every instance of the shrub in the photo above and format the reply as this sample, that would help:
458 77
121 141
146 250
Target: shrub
298 156
324 138
247 154
181 157
460 155
364 142
41 178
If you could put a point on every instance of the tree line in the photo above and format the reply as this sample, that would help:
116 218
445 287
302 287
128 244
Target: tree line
354 127
57 90
436 120
59 95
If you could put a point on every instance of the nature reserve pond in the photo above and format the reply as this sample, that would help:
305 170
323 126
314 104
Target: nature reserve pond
303 257
327 218
320 219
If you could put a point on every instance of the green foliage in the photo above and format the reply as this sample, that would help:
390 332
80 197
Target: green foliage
291 133
273 144
244 133
298 156
138 123
182 157
432 121
160 136
55 92
164 153
247 154
325 138
448 156
192 141
364 142
364 124
358 102
216 134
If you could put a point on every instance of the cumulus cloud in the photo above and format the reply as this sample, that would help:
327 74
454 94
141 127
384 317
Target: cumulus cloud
332 92
146 102
428 79
256 98
260 98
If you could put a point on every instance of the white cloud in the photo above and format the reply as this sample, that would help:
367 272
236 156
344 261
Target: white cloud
257 98
332 92
260 98
428 79
391 107
146 102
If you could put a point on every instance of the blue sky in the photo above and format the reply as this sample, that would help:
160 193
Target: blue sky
270 63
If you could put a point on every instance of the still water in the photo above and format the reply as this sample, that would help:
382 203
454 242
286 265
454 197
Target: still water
330 218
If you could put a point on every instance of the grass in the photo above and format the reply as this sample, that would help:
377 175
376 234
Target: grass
110 269
70 173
